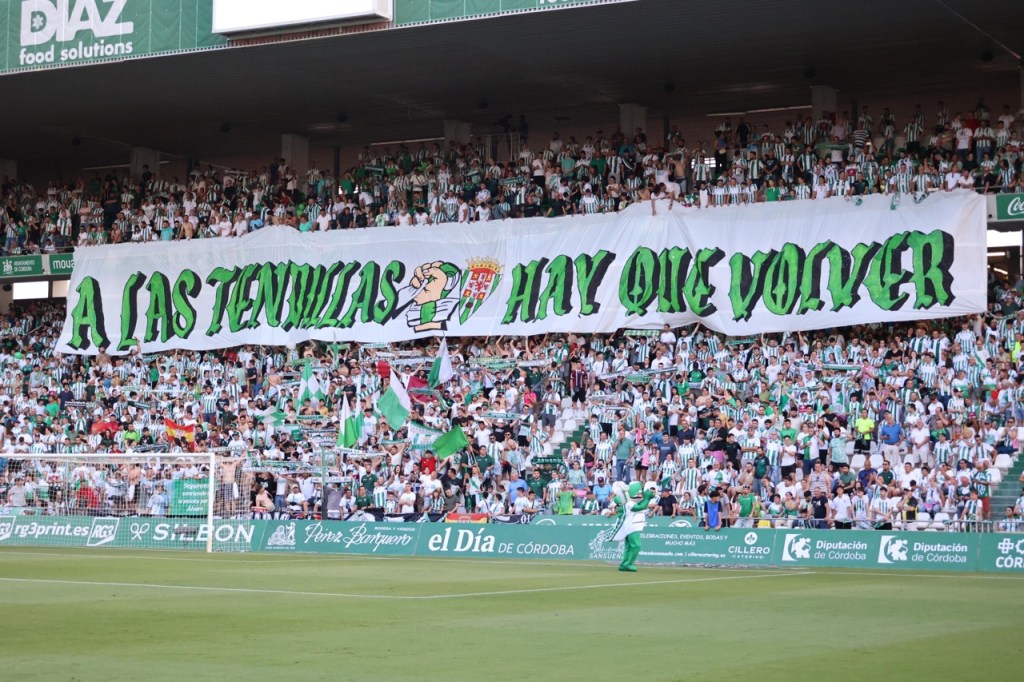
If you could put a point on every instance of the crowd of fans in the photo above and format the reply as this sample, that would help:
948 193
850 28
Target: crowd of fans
839 155
909 425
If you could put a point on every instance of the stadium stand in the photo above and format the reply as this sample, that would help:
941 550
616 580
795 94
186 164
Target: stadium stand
912 426
835 156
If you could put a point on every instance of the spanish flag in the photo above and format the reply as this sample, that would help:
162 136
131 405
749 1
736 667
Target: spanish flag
175 430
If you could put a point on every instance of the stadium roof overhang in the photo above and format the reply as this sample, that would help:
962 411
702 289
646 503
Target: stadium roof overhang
565 70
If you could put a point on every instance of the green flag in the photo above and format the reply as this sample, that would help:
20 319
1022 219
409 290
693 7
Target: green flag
348 430
394 404
441 371
450 443
310 386
275 418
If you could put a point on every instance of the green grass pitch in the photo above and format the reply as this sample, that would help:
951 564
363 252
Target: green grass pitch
110 615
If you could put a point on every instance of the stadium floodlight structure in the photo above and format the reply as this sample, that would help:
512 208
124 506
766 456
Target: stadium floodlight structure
140 500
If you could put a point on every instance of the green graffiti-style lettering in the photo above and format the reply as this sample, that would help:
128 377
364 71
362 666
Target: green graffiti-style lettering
590 271
846 273
932 255
158 314
298 283
673 263
317 275
525 290
393 273
698 289
639 282
186 287
340 295
318 301
87 324
221 279
364 297
130 310
810 278
782 280
271 285
886 274
746 283
241 299
558 289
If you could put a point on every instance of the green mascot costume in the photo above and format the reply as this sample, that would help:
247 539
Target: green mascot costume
631 505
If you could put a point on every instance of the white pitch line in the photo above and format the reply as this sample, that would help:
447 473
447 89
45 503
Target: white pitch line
594 587
901 574
242 558
237 558
457 595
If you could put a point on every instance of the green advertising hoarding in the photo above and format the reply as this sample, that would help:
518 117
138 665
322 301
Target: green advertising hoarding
425 11
48 33
1001 553
1009 206
732 547
28 267
20 266
61 264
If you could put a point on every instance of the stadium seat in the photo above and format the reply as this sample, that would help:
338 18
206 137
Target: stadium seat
924 520
558 437
547 449
857 462
568 412
566 403
876 461
940 521
570 425
1004 462
995 474
559 425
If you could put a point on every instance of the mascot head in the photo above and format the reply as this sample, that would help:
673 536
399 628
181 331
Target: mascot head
635 489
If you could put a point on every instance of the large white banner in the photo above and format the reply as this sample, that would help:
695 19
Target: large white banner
740 270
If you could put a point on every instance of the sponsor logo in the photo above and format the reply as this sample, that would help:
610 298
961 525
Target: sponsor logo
681 523
796 548
283 536
86 24
224 532
1011 554
6 527
465 541
603 548
1014 207
102 532
749 549
892 550
61 264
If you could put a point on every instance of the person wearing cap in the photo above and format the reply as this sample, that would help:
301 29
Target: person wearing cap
602 491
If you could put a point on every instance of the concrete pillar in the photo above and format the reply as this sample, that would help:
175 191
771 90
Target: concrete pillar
8 169
141 158
295 152
823 98
631 117
459 132
1020 112
6 297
